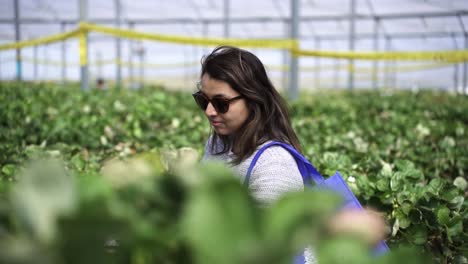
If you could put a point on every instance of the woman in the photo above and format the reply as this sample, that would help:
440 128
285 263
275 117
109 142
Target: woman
246 112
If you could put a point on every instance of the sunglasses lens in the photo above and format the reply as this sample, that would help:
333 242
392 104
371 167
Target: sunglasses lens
220 105
201 101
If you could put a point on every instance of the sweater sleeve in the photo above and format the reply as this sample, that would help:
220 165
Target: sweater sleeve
274 174
207 153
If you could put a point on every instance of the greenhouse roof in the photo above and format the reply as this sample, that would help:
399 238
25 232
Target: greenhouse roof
248 19
403 25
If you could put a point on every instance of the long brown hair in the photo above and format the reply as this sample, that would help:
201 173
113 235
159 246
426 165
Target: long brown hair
269 113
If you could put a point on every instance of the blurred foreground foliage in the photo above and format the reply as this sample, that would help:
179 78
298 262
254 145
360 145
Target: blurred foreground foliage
164 213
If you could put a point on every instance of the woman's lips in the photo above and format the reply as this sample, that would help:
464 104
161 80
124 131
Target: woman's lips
216 123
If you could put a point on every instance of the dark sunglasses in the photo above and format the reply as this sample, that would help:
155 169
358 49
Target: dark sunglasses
220 104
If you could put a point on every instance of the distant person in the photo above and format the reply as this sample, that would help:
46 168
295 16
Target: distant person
101 84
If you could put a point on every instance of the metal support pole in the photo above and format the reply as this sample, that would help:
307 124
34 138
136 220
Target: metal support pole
186 81
317 64
64 57
394 73
46 67
118 45
35 69
205 28
19 74
195 55
141 53
285 69
375 67
142 69
352 31
226 18
336 79
99 65
131 50
465 66
386 72
455 65
294 65
83 7
285 55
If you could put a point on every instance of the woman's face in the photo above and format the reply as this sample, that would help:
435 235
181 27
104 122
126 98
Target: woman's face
230 122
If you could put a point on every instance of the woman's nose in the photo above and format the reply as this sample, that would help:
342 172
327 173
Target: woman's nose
210 110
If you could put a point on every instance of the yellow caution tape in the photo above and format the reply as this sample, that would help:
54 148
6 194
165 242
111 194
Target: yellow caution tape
445 56
324 68
41 41
131 34
83 48
452 56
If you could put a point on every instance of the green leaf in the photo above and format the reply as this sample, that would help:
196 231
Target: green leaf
443 215
382 185
9 169
223 211
455 229
78 162
295 221
449 195
456 203
44 192
396 182
386 170
406 207
403 220
407 170
460 260
461 183
435 186
403 164
343 250
418 235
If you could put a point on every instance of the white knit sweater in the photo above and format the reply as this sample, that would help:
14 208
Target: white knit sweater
274 174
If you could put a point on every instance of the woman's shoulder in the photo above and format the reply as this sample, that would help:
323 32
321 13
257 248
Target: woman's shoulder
274 174
274 153
274 158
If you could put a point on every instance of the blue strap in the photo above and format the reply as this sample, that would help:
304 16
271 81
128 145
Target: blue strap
307 170
300 259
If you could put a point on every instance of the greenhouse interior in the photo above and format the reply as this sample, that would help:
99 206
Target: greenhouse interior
204 131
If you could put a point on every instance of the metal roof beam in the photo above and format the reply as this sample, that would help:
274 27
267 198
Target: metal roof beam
239 20
329 37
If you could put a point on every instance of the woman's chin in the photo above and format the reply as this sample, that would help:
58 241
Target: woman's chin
221 131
